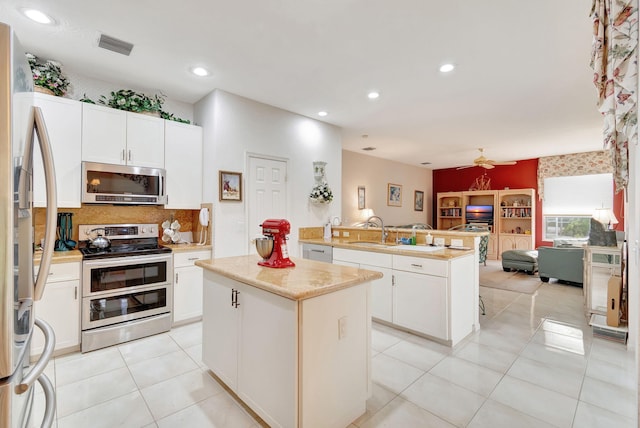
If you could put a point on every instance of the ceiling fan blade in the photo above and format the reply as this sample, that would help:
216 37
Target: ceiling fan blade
465 167
487 166
505 163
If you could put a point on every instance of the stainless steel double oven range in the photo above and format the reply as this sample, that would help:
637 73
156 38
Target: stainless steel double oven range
126 287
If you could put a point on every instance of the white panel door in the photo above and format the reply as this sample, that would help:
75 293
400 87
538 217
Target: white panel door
267 193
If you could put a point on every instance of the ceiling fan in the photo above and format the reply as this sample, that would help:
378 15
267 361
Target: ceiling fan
485 163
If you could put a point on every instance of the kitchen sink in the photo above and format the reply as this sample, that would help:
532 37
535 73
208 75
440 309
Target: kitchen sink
374 244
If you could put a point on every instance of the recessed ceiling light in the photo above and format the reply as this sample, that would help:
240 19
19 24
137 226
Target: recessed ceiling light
200 71
373 95
322 113
445 68
425 163
37 16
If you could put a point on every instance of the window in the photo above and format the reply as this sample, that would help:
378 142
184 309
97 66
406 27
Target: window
567 207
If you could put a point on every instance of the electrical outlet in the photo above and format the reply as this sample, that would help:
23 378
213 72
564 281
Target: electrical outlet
336 233
345 234
342 328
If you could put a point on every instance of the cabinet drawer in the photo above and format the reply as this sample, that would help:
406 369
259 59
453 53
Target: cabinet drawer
189 258
362 257
62 272
421 265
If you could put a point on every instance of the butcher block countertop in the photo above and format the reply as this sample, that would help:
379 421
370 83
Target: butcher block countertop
307 279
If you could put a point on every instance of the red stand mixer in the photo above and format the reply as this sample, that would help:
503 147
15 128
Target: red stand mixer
276 231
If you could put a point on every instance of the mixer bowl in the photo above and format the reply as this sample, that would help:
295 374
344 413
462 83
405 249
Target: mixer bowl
264 246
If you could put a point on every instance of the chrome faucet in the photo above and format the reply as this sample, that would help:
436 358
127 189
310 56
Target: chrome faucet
384 234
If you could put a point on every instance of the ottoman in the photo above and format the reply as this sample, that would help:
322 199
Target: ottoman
526 260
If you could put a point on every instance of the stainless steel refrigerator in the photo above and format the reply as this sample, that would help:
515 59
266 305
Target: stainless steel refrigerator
19 122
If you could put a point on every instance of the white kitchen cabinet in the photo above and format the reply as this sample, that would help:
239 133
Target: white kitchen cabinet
187 286
119 137
60 307
183 163
382 288
63 119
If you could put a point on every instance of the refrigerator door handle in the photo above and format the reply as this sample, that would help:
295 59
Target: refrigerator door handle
50 399
41 364
52 201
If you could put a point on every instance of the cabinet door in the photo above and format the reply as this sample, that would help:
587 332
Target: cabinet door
145 140
268 357
420 303
60 307
187 293
523 243
220 324
381 294
507 243
64 126
104 134
183 162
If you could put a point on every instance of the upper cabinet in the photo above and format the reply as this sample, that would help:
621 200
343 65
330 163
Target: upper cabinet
119 137
183 163
63 119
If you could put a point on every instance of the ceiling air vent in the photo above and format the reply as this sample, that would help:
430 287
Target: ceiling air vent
115 45
368 149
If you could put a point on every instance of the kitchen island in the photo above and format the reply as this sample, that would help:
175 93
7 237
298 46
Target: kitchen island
294 343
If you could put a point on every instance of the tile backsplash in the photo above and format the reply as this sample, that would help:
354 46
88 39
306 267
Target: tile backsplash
109 214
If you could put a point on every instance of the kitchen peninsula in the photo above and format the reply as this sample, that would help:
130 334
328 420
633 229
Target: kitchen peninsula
293 343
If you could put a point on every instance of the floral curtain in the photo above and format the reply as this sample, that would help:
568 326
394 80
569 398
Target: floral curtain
572 165
614 60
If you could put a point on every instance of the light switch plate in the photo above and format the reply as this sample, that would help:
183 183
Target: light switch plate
439 242
457 242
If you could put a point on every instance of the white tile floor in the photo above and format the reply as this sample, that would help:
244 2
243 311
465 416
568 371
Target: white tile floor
534 363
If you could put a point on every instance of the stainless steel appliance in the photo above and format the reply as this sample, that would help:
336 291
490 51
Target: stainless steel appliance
18 290
123 184
126 285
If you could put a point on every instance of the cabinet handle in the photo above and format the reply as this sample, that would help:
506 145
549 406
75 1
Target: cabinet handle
233 297
613 304
393 280
123 155
193 258
416 265
129 159
176 277
75 293
318 251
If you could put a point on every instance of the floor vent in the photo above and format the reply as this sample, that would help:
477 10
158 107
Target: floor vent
115 45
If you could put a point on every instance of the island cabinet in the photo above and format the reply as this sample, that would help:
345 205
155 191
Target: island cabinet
123 138
295 361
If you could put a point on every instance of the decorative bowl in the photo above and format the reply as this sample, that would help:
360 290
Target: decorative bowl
264 246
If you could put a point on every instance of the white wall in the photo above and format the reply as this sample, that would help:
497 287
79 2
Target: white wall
234 127
375 173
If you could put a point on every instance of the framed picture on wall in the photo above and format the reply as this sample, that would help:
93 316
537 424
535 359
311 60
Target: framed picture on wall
361 200
230 186
418 200
394 195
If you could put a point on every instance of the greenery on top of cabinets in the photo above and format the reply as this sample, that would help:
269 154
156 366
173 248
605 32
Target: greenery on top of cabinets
126 99
48 74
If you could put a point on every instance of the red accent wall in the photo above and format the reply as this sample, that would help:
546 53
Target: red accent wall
523 175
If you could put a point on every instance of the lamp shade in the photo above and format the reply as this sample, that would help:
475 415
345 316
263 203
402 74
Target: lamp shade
605 216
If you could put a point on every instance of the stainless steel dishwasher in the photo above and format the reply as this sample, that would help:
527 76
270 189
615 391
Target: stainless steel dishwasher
321 253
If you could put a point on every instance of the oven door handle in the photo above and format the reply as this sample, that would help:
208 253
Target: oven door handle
126 260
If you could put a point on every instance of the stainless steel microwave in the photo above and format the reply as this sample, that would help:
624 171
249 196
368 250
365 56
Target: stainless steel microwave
123 184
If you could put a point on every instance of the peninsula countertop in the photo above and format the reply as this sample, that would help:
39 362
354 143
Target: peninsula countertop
307 279
432 252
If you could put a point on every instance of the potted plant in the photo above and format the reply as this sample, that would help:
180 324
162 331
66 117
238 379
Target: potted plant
48 76
126 99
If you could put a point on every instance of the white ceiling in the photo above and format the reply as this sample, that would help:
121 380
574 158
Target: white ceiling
522 87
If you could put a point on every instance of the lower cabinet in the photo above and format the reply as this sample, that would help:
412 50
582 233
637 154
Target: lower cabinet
515 242
283 357
60 308
187 285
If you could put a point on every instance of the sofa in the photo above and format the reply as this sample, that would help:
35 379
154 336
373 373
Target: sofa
564 263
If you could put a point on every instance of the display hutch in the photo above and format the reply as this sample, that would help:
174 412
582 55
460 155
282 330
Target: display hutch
483 198
449 210
516 219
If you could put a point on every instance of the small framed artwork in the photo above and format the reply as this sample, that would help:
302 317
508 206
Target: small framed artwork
361 200
418 200
394 195
230 186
